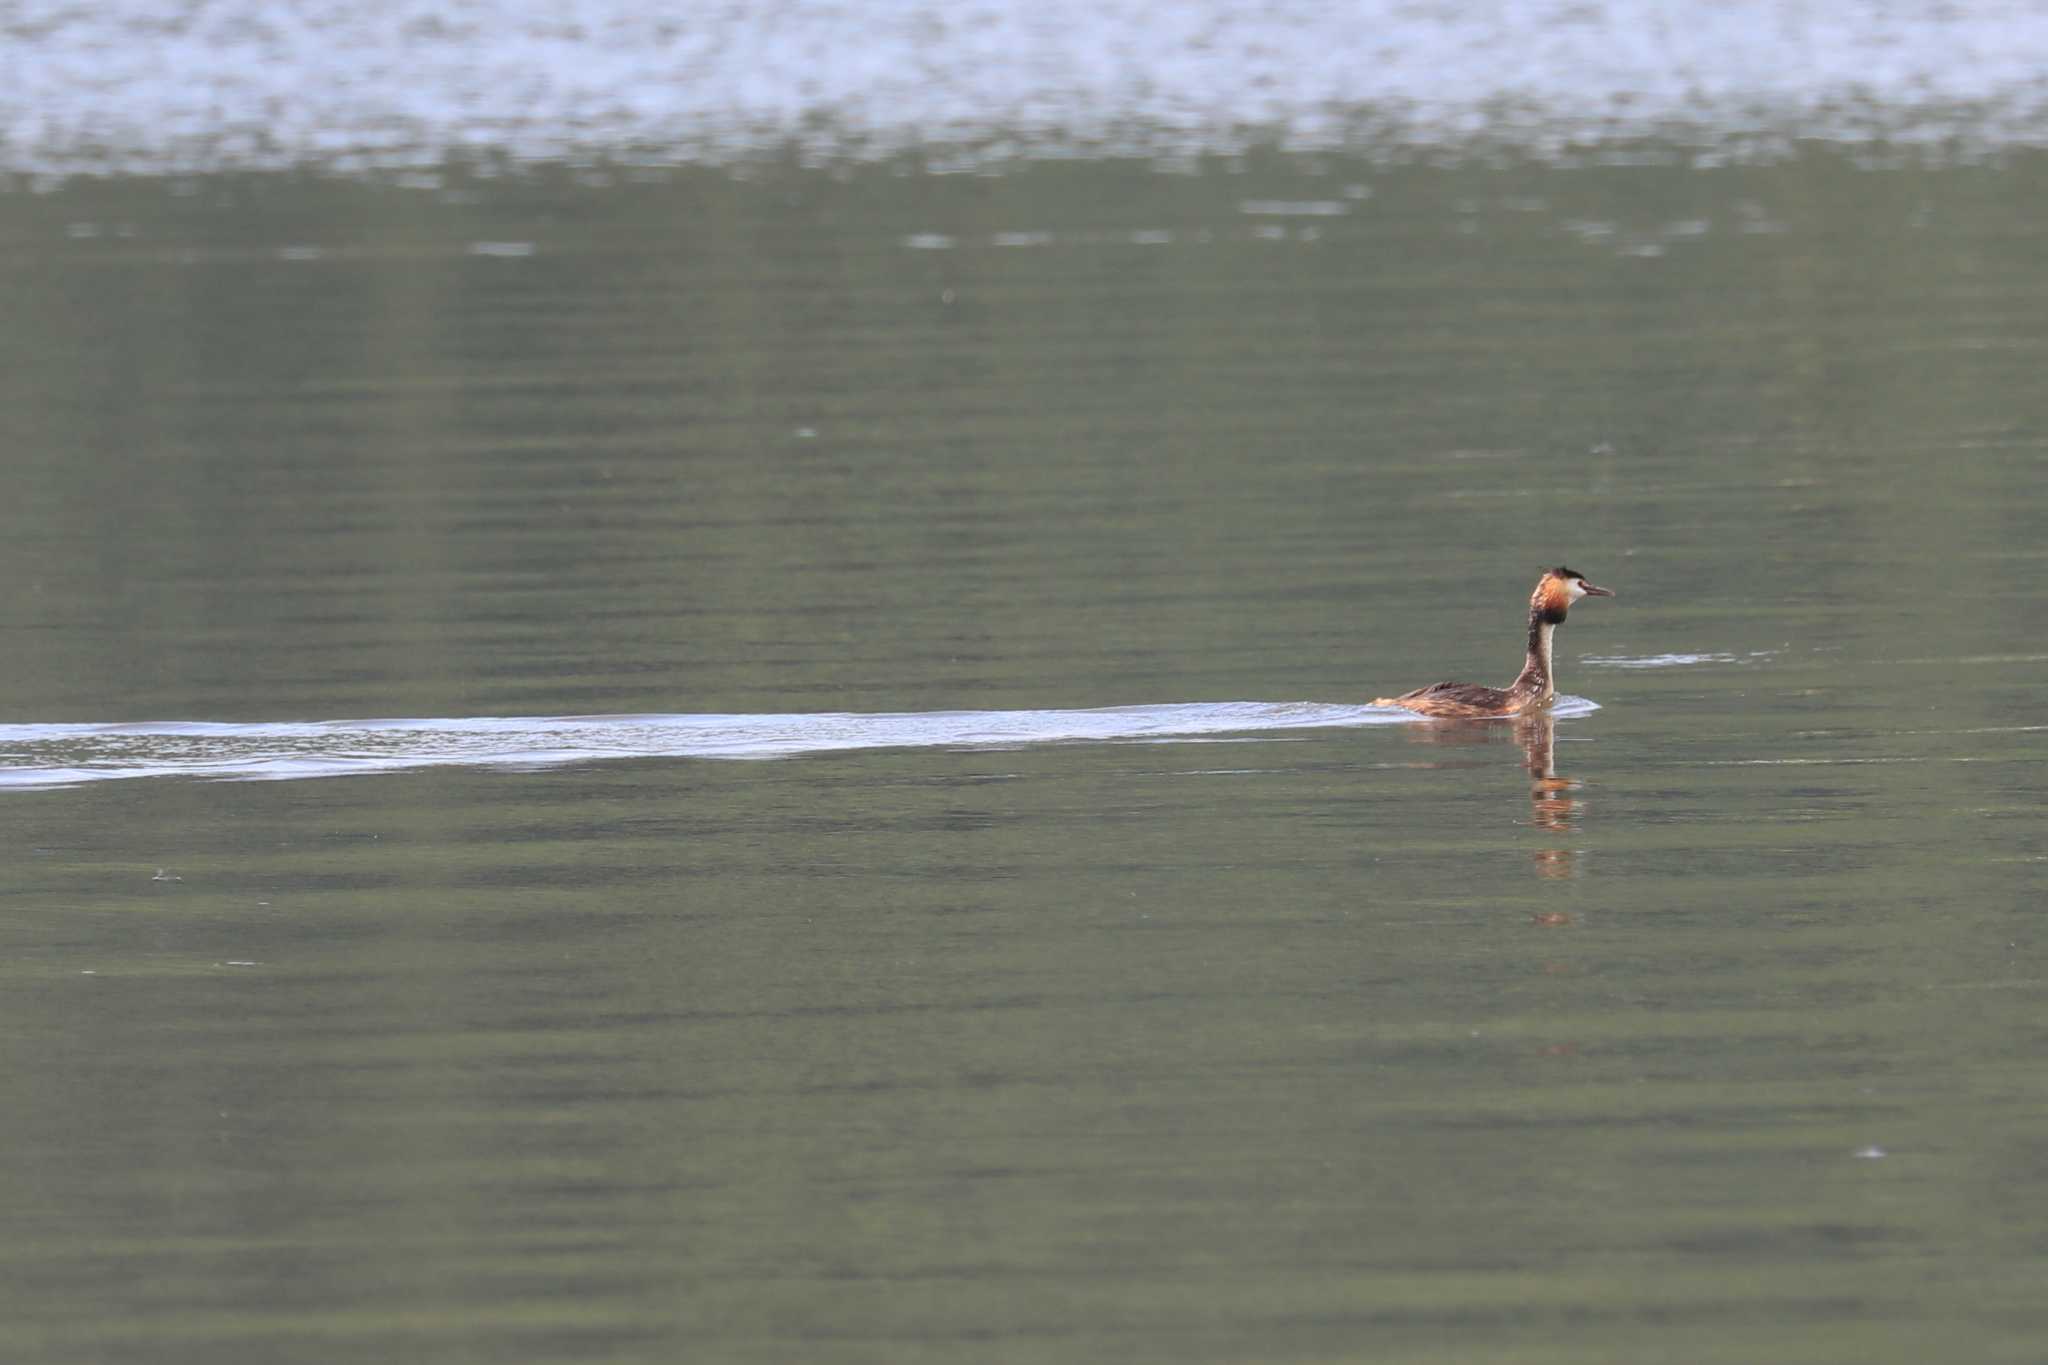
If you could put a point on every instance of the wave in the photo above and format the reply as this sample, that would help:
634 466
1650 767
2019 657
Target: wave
1674 660
44 756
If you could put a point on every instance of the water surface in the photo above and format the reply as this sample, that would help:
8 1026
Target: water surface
35 756
1703 1025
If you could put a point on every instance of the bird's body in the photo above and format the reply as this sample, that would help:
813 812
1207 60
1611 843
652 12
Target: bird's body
1534 686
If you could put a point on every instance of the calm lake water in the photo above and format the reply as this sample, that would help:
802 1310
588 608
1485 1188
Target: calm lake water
1703 1024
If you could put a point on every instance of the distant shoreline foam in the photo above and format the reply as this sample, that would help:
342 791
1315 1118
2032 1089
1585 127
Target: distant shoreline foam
153 88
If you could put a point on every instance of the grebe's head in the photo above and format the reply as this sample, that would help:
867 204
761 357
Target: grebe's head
1559 588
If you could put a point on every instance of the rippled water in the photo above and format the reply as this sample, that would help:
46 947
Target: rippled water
1043 999
34 756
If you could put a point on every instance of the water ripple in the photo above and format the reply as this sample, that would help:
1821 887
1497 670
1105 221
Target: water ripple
43 756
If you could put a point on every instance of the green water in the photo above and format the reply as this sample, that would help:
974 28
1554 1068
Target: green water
1705 1029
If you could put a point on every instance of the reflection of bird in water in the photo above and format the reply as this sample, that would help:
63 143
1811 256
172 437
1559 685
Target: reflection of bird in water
1549 795
1553 804
1534 686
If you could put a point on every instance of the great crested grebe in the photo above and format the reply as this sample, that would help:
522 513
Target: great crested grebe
1554 595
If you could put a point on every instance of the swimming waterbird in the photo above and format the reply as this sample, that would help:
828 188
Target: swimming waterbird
1535 686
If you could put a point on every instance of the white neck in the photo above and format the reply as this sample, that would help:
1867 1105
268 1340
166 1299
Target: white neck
1536 676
